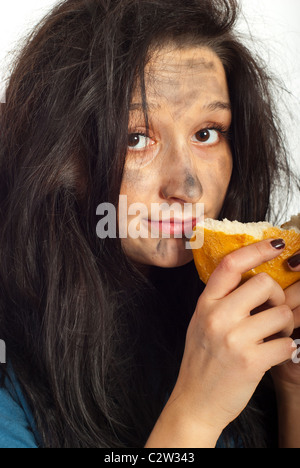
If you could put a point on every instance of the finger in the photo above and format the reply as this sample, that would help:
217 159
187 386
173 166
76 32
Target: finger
277 351
268 323
292 295
256 291
294 262
228 274
296 313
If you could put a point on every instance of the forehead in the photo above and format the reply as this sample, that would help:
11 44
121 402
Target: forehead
175 60
180 76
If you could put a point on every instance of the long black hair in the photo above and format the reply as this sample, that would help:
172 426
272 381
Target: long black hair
95 345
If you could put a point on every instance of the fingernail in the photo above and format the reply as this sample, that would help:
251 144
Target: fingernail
278 244
294 261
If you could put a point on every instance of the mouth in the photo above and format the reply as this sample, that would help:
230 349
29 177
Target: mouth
173 227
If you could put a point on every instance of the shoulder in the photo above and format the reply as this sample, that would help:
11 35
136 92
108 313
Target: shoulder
16 421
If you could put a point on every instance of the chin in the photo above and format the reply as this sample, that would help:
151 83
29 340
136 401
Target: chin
163 253
171 253
176 264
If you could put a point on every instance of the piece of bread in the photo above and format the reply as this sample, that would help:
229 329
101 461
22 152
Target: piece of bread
223 237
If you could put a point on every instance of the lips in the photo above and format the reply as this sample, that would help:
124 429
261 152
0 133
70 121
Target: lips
173 227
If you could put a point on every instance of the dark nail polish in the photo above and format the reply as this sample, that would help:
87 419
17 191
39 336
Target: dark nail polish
278 244
294 261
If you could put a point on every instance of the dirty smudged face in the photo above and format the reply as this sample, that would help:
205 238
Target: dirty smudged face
184 156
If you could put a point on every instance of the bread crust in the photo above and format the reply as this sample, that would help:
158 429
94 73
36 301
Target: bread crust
218 244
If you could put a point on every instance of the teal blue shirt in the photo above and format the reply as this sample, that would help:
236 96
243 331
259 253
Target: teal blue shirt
17 427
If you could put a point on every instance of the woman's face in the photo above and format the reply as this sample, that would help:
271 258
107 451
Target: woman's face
183 157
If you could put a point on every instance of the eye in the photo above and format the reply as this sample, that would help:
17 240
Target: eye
206 135
139 141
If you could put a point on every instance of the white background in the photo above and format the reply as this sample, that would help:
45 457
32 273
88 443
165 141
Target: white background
273 24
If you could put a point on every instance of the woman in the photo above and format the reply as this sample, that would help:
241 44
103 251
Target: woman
113 342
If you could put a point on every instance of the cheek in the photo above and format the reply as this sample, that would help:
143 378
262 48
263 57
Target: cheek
137 160
224 172
138 188
138 184
217 178
132 184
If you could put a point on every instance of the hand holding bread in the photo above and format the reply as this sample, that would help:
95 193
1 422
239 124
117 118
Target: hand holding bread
224 237
228 349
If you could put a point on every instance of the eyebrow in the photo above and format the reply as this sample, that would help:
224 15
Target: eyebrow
212 106
218 105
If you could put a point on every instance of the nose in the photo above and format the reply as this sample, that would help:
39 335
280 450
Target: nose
180 180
